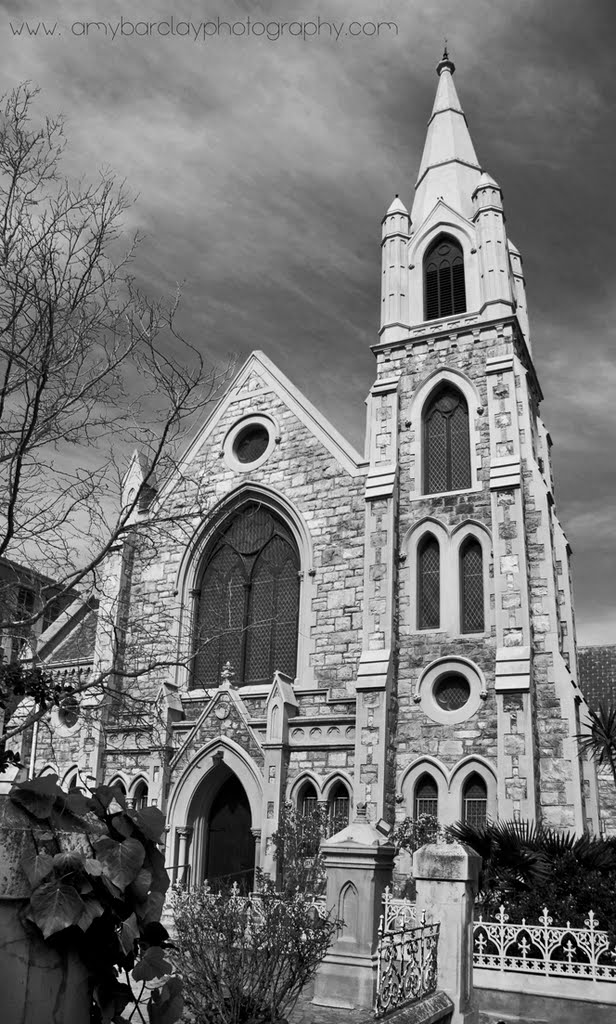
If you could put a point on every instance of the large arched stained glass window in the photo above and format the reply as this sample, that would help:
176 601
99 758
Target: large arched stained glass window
471 586
444 288
447 457
248 601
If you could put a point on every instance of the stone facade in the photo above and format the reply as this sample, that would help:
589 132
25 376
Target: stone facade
363 708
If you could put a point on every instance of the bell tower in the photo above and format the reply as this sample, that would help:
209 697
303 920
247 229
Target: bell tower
486 707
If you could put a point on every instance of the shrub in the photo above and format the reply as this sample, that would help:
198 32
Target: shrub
527 867
412 833
245 959
297 843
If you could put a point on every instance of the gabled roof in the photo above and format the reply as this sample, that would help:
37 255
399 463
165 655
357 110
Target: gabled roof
71 637
259 364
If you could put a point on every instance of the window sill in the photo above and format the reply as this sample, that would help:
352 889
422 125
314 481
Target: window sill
446 494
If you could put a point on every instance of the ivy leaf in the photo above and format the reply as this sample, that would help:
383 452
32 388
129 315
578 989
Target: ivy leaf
54 906
69 861
141 886
36 866
151 910
37 796
103 796
93 867
92 910
77 803
166 1005
156 864
154 934
112 997
129 934
123 824
152 965
120 861
151 821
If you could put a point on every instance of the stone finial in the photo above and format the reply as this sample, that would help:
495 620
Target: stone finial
227 674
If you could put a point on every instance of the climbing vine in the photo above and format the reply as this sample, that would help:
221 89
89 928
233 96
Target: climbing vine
98 883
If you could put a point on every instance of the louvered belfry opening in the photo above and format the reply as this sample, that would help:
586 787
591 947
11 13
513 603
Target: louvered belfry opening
428 584
444 288
475 801
426 796
447 453
248 601
471 586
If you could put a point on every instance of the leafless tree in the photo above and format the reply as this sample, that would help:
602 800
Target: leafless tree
90 370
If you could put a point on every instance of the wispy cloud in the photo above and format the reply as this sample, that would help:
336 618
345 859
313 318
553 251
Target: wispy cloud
263 170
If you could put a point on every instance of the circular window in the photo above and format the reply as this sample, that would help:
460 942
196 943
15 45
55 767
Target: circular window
68 712
251 443
452 692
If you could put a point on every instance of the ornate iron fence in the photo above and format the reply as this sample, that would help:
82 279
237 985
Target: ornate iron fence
407 964
398 912
544 949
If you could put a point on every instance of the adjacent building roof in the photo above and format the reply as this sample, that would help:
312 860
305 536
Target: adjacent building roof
597 674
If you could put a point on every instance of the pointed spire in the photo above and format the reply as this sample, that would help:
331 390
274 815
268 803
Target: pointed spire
397 206
449 168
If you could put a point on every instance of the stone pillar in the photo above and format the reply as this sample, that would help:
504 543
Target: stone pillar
281 705
256 835
183 868
446 875
358 863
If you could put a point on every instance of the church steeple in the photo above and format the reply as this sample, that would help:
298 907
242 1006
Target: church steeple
449 167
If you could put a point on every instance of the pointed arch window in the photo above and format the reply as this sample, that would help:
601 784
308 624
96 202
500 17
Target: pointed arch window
444 286
248 601
475 801
338 808
428 584
307 803
471 587
447 453
426 796
140 796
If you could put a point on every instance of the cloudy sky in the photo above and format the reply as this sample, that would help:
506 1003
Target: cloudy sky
265 161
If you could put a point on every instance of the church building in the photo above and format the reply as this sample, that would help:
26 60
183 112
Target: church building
392 628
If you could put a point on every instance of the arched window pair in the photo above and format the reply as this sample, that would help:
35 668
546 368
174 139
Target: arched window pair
474 799
470 574
248 601
338 804
444 287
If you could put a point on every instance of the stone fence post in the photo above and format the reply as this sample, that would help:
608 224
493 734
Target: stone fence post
446 875
358 862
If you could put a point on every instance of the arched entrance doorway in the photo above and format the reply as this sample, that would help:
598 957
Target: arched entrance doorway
224 844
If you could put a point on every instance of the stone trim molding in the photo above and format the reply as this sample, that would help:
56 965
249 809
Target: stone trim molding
513 668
